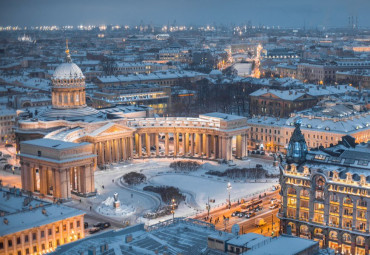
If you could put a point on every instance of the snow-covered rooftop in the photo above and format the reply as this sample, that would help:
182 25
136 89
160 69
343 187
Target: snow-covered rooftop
22 214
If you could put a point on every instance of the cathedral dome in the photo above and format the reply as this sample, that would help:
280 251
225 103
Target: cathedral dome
68 71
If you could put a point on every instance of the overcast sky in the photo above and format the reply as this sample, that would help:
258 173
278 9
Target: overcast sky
286 13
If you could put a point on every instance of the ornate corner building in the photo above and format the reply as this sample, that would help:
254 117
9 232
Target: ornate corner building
326 194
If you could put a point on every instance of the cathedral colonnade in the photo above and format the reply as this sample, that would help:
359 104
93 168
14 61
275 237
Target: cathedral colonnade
165 142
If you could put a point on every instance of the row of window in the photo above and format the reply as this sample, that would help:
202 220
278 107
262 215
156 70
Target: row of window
42 235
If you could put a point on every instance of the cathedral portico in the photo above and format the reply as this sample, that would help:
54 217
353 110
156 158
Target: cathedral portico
56 168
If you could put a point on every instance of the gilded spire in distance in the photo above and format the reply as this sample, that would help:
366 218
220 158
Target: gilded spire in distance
68 57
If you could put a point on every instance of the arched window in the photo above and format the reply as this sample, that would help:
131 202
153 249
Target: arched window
346 238
360 240
333 235
293 227
347 201
319 183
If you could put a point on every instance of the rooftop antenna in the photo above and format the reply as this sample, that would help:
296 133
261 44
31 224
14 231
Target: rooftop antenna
68 57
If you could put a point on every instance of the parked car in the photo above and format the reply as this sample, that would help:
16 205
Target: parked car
263 153
241 215
102 225
250 215
274 206
94 230
258 208
236 213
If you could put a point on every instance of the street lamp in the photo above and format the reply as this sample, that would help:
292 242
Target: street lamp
208 207
173 206
229 189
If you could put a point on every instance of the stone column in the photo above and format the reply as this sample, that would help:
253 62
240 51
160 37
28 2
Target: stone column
192 144
82 176
214 143
166 144
109 151
43 180
175 143
131 147
116 148
102 151
186 147
56 183
80 179
23 176
140 138
244 145
228 148
137 143
207 147
198 144
31 178
238 146
68 183
64 185
147 144
204 144
123 149
156 144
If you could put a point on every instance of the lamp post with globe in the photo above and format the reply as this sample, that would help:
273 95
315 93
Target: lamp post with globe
229 189
173 206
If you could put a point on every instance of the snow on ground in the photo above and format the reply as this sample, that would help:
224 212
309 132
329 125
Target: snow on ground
196 186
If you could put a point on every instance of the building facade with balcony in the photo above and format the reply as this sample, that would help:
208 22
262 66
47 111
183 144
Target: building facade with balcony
326 194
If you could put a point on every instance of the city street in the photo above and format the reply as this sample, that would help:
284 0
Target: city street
247 225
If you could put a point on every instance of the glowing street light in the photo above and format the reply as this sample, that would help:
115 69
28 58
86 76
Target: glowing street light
229 189
173 205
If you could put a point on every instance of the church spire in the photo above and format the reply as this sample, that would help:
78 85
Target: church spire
68 57
297 148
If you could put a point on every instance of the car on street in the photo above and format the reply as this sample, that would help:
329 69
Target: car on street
274 206
94 230
102 225
258 208
241 215
250 215
236 213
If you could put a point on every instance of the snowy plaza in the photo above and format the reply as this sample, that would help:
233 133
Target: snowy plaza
197 186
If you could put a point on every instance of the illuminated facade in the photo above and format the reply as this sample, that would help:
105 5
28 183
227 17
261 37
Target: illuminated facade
326 196
32 226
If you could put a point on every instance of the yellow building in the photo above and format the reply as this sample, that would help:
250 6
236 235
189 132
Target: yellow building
33 226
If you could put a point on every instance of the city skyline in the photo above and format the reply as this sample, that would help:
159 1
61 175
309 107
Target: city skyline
284 13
